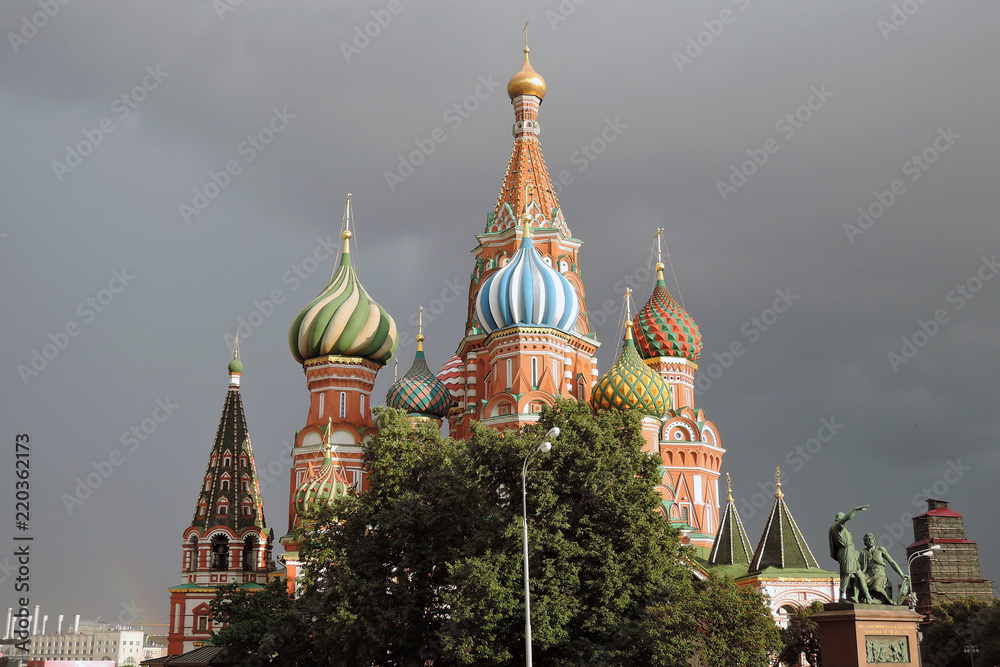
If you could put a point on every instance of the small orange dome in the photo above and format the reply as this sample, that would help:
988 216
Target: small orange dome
526 82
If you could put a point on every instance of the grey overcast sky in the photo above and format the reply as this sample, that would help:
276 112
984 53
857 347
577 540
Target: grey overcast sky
757 133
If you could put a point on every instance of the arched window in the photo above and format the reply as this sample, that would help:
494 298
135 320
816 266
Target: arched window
220 553
225 483
245 484
343 404
193 562
223 508
250 554
226 462
685 515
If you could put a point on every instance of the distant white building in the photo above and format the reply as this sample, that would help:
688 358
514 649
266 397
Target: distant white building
121 644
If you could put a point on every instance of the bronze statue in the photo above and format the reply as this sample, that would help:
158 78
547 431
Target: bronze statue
852 578
873 561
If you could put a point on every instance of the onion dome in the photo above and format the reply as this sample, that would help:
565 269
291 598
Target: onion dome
235 366
343 320
528 292
451 376
419 392
527 81
631 384
323 485
664 328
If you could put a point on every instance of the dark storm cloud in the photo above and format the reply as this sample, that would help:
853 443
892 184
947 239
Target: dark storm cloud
355 108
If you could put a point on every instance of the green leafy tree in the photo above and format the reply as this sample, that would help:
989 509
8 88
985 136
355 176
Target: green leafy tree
802 636
427 563
425 567
262 627
955 624
736 624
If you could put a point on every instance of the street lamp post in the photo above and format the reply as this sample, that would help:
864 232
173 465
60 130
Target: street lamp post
929 552
971 651
545 446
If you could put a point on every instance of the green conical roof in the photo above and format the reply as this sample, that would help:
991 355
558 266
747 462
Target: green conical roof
782 544
731 545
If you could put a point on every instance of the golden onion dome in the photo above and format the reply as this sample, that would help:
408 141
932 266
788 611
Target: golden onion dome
526 82
631 384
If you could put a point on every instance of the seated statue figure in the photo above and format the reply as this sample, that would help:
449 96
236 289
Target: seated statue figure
873 561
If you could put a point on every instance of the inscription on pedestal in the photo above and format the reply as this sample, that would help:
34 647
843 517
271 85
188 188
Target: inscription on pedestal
886 649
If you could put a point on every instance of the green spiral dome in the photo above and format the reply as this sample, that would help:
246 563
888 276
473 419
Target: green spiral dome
343 320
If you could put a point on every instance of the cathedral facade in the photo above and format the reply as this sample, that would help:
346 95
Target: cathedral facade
527 342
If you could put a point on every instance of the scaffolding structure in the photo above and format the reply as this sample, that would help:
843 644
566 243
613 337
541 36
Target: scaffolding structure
953 572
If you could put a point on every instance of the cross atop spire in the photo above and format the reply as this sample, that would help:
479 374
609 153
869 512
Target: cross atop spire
420 329
347 225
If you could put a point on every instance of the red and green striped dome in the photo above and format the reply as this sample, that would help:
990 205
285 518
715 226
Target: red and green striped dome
664 328
419 392
631 385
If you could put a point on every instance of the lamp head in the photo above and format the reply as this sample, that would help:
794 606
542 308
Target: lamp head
552 434
545 447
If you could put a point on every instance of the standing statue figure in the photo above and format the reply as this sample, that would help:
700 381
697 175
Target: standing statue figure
852 578
873 561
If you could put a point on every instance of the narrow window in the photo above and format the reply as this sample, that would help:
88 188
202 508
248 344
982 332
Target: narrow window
534 371
343 404
220 553
250 555
510 373
362 403
225 485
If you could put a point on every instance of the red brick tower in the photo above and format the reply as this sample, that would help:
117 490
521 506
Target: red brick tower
342 339
527 337
227 541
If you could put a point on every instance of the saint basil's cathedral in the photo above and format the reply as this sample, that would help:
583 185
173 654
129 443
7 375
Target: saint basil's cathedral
527 342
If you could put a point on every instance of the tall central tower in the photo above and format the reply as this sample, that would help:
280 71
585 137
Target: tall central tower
342 339
527 336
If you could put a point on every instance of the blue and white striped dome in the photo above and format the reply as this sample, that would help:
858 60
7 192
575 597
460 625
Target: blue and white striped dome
527 292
